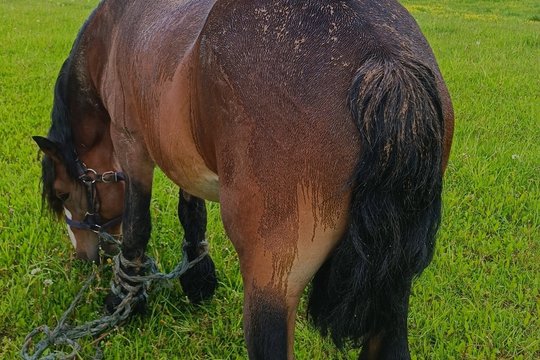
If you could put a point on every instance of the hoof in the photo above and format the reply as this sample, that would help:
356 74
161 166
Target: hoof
199 283
112 301
122 285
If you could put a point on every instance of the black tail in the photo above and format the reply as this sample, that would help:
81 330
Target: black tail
396 201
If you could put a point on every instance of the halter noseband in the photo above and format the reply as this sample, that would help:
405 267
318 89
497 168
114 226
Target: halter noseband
92 219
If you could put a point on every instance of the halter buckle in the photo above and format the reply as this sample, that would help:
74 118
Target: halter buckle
109 174
89 177
95 228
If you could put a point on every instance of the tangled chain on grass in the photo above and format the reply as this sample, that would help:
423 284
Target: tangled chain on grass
130 288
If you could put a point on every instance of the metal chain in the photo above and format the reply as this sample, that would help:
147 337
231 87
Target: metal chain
130 288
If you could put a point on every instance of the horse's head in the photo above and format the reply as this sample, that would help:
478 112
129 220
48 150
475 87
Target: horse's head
89 201
79 180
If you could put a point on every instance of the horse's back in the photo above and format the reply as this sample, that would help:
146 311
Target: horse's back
300 42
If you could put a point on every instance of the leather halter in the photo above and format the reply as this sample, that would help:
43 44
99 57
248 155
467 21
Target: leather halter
92 220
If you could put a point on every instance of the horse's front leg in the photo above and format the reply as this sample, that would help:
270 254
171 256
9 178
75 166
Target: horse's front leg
136 228
199 282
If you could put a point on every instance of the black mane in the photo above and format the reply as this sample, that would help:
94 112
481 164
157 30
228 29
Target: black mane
61 134
65 90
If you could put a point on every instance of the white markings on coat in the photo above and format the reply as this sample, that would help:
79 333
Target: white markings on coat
70 232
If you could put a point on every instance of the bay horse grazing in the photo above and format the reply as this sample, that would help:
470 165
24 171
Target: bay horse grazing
322 127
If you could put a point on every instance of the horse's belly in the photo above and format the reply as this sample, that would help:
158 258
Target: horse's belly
170 138
194 178
174 151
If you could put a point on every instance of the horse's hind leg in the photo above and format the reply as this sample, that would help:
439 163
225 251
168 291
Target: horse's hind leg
276 261
199 282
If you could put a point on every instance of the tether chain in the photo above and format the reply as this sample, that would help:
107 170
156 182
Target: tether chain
64 334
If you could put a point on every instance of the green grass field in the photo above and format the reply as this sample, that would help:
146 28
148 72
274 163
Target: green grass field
478 300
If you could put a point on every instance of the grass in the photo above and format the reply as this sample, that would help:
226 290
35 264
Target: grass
478 300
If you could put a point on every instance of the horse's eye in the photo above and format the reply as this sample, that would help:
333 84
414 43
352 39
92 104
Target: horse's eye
62 196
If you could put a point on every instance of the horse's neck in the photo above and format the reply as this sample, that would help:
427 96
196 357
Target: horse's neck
92 46
90 123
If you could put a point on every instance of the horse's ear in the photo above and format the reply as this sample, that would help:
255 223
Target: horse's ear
49 147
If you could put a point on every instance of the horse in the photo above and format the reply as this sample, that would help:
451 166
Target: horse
322 127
